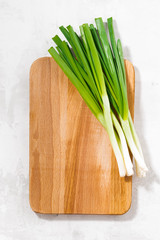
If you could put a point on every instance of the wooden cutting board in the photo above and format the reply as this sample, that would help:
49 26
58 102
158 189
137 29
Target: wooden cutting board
72 166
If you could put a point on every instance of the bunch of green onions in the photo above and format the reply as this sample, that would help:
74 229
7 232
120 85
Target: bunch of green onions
96 68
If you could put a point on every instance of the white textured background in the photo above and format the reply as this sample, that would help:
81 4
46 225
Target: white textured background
26 28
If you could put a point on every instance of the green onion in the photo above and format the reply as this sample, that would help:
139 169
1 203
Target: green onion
97 70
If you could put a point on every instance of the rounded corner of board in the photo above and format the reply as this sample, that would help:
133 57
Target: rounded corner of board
129 65
38 61
34 209
127 207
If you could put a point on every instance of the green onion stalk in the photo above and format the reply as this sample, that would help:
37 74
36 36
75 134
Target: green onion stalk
97 70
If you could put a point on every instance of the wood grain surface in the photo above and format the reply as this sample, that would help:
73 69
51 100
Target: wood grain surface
72 166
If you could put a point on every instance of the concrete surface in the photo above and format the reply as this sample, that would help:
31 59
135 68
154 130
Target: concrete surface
26 28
